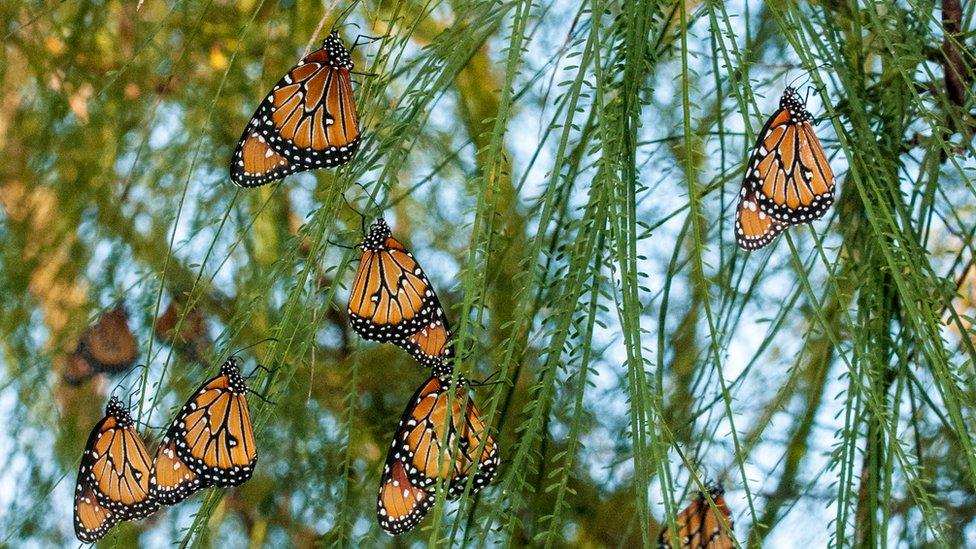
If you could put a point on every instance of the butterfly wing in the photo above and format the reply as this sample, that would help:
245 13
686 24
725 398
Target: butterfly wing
754 228
788 172
400 505
255 163
699 527
92 519
430 346
478 446
109 345
172 480
213 433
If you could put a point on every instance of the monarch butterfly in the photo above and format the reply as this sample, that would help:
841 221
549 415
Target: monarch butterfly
699 526
788 180
109 345
308 120
417 459
391 298
212 435
113 478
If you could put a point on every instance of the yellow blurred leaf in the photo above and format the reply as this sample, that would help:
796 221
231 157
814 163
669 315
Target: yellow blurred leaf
218 59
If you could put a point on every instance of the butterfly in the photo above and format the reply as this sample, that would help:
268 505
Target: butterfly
788 180
192 337
391 298
211 436
307 121
108 345
699 526
437 439
113 478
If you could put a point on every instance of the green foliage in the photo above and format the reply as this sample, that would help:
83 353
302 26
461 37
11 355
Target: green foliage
567 174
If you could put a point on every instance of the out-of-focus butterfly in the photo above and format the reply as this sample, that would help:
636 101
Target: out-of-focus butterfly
108 345
788 180
113 478
192 336
308 121
438 438
700 527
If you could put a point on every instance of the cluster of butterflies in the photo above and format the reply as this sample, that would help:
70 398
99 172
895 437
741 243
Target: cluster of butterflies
309 121
210 442
441 437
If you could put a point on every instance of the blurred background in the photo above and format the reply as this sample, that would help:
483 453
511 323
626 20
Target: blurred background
567 173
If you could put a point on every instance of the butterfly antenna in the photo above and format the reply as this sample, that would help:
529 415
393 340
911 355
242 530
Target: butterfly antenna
362 216
343 246
255 344
259 395
261 367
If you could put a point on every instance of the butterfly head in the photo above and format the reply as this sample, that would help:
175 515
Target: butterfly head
338 55
379 231
115 410
795 104
232 370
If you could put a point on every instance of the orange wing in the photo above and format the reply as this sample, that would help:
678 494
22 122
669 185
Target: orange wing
699 527
400 505
172 480
213 433
754 229
255 163
391 298
430 346
115 466
309 119
92 519
438 438
788 171
109 345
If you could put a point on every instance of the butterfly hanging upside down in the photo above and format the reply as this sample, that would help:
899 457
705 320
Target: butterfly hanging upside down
113 478
788 180
438 438
308 121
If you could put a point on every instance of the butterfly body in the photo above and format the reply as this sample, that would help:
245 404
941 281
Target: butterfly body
307 121
788 179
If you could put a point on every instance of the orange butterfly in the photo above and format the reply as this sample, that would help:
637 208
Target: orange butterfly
308 121
434 441
391 298
211 436
113 478
700 527
788 180
109 345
